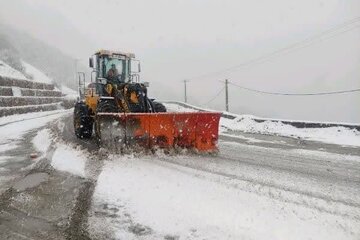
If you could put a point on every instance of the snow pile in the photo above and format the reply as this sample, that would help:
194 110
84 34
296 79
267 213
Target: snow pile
334 135
69 93
42 140
27 116
10 131
37 75
70 160
172 107
14 127
7 71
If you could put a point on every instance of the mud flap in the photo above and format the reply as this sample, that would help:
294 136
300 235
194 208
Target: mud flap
196 130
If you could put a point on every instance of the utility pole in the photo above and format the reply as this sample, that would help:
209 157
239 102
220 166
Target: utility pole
226 95
185 93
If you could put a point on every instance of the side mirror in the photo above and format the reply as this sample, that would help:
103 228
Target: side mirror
135 66
91 63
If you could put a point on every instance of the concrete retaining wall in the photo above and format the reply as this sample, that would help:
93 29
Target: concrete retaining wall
12 82
22 96
40 93
23 101
6 91
37 108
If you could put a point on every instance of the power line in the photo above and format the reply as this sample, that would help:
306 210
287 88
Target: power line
295 94
312 42
292 47
216 95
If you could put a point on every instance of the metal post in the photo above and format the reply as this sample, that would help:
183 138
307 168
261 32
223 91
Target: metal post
185 93
226 95
76 67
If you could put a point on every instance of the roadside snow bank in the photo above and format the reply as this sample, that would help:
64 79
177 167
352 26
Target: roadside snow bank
42 140
334 135
27 116
248 124
14 127
172 107
70 160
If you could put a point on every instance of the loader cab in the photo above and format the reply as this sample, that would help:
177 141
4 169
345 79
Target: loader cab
125 69
116 67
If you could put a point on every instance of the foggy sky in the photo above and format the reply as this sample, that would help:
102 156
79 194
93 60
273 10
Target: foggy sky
177 40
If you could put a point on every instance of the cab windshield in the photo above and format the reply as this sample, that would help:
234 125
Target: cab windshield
115 68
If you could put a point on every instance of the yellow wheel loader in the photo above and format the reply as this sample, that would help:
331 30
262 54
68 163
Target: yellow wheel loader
115 105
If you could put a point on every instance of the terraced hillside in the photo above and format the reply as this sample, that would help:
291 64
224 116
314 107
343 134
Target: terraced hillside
23 96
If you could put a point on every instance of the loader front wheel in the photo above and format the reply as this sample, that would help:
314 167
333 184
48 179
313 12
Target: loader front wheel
83 122
107 106
102 126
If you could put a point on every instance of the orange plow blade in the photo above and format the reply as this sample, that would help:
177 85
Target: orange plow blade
195 130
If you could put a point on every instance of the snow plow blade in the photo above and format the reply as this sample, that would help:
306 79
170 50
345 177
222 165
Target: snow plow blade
195 130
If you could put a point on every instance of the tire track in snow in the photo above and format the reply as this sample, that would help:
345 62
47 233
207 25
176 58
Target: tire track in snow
78 226
273 191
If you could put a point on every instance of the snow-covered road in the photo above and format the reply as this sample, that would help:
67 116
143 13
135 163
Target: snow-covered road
257 187
244 193
15 144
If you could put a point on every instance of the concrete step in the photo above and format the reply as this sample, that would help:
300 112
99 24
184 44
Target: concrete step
40 93
8 91
9 82
23 101
6 111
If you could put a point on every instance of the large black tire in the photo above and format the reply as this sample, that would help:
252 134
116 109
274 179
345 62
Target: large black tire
159 107
83 122
107 105
104 130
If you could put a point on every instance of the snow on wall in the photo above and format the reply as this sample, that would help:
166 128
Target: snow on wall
69 93
38 75
7 71
16 91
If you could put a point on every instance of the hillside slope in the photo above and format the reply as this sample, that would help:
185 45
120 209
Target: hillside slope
49 60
